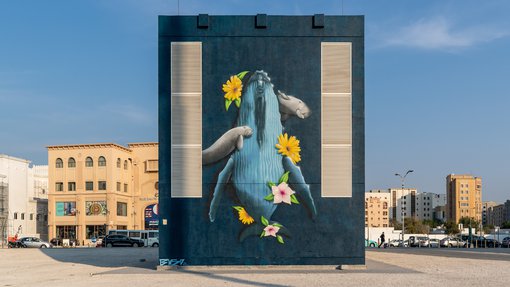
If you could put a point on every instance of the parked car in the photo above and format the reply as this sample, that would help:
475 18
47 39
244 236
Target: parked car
492 243
475 241
395 243
419 241
34 242
434 243
370 243
121 240
452 242
506 242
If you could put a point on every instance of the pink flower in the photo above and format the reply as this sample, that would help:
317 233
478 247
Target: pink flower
282 192
271 230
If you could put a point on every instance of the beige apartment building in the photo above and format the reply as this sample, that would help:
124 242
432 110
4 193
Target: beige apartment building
377 208
94 188
464 197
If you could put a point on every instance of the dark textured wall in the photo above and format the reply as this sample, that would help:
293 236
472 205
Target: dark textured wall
288 49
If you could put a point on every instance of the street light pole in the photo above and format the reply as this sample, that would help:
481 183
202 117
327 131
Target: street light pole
402 179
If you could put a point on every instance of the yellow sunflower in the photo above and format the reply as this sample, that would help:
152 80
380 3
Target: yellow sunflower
289 147
244 217
233 88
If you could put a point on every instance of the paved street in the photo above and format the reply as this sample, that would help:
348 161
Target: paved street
130 266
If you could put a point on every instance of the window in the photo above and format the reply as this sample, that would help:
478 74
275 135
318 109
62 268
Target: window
15 215
65 208
101 185
59 186
125 187
89 185
46 218
121 227
118 162
71 162
94 231
59 163
385 205
38 217
118 186
23 216
125 164
68 232
31 216
121 209
151 165
89 162
101 161
71 186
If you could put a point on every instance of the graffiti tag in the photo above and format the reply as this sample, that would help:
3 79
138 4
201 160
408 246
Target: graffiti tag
171 262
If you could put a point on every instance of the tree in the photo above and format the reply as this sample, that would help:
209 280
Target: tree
469 222
451 227
396 225
505 225
488 228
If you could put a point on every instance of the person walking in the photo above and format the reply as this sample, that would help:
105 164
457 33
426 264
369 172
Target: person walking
382 240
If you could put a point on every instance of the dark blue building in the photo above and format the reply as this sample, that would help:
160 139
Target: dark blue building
261 132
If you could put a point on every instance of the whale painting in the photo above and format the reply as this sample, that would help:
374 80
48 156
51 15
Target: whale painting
262 166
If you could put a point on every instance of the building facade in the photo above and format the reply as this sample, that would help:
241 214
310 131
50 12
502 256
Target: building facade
402 203
94 188
23 198
377 208
498 214
486 208
464 197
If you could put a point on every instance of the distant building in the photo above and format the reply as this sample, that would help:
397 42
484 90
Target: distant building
464 197
402 203
98 187
486 206
23 198
377 208
499 214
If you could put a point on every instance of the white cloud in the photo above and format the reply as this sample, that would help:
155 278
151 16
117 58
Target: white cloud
440 33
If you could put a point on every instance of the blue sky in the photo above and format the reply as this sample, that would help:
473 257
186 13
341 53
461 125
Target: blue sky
437 80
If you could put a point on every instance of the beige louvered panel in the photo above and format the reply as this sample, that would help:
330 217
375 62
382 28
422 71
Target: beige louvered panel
186 120
336 119
186 117
336 67
186 67
336 171
186 179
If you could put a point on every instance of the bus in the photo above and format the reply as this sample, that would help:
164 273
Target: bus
150 237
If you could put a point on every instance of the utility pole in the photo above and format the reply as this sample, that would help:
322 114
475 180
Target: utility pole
402 179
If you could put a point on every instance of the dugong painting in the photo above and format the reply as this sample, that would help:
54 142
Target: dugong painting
263 157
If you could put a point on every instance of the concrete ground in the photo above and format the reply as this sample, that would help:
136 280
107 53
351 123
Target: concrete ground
136 267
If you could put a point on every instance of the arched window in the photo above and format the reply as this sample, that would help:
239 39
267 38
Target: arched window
118 162
101 161
15 215
71 162
59 163
125 164
385 205
89 162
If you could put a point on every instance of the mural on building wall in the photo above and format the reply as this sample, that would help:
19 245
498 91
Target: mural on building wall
95 208
262 167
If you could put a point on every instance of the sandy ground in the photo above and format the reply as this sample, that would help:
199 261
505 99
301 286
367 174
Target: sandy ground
135 267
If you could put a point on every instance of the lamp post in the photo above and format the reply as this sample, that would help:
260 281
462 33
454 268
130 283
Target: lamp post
402 179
